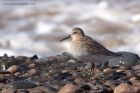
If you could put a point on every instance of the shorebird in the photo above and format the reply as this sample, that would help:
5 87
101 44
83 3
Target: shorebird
86 49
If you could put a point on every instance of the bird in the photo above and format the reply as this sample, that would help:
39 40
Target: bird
86 49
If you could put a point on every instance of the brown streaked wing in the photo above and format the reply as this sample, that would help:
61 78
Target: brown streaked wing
95 48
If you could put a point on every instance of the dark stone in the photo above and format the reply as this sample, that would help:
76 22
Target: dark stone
22 85
127 59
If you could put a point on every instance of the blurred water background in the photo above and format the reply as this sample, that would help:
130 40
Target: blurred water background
29 27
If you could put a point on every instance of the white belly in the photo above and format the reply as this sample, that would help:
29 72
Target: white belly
77 50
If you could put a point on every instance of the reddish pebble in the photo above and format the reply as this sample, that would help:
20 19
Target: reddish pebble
68 88
13 68
124 88
32 65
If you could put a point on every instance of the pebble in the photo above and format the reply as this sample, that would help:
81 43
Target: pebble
127 60
62 74
32 65
13 68
33 72
124 88
52 59
17 74
5 72
22 85
136 70
80 81
42 89
116 75
108 71
130 73
68 88
8 90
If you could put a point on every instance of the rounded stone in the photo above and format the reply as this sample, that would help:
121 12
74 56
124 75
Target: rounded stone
136 70
17 74
127 59
22 85
33 72
68 88
124 88
13 68
32 65
108 70
79 80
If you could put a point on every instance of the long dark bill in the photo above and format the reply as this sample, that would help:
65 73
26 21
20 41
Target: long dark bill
67 37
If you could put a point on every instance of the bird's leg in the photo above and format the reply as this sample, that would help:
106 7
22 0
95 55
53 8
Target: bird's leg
97 67
92 70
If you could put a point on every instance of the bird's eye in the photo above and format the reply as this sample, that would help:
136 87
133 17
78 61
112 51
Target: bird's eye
74 32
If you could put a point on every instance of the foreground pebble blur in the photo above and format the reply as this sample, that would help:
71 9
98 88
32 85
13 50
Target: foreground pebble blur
64 74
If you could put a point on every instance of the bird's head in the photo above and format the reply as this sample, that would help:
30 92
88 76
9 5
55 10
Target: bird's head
76 33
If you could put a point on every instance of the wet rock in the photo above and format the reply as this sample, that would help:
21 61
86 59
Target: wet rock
121 69
110 84
101 89
124 88
23 68
34 57
62 58
136 67
72 64
22 85
135 82
116 75
127 59
17 68
32 65
76 74
42 89
80 81
137 89
97 70
138 61
52 59
86 87
42 61
68 55
62 76
68 88
108 71
13 68
21 58
5 72
33 72
8 90
130 73
136 70
4 80
17 74
54 85
101 76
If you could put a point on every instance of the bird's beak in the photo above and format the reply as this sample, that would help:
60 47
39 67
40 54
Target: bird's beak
67 37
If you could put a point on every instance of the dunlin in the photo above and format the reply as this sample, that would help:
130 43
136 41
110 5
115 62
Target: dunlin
85 49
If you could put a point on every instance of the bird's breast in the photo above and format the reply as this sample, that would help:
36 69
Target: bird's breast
78 49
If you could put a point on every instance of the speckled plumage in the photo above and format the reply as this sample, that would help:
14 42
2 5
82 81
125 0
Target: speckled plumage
86 49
